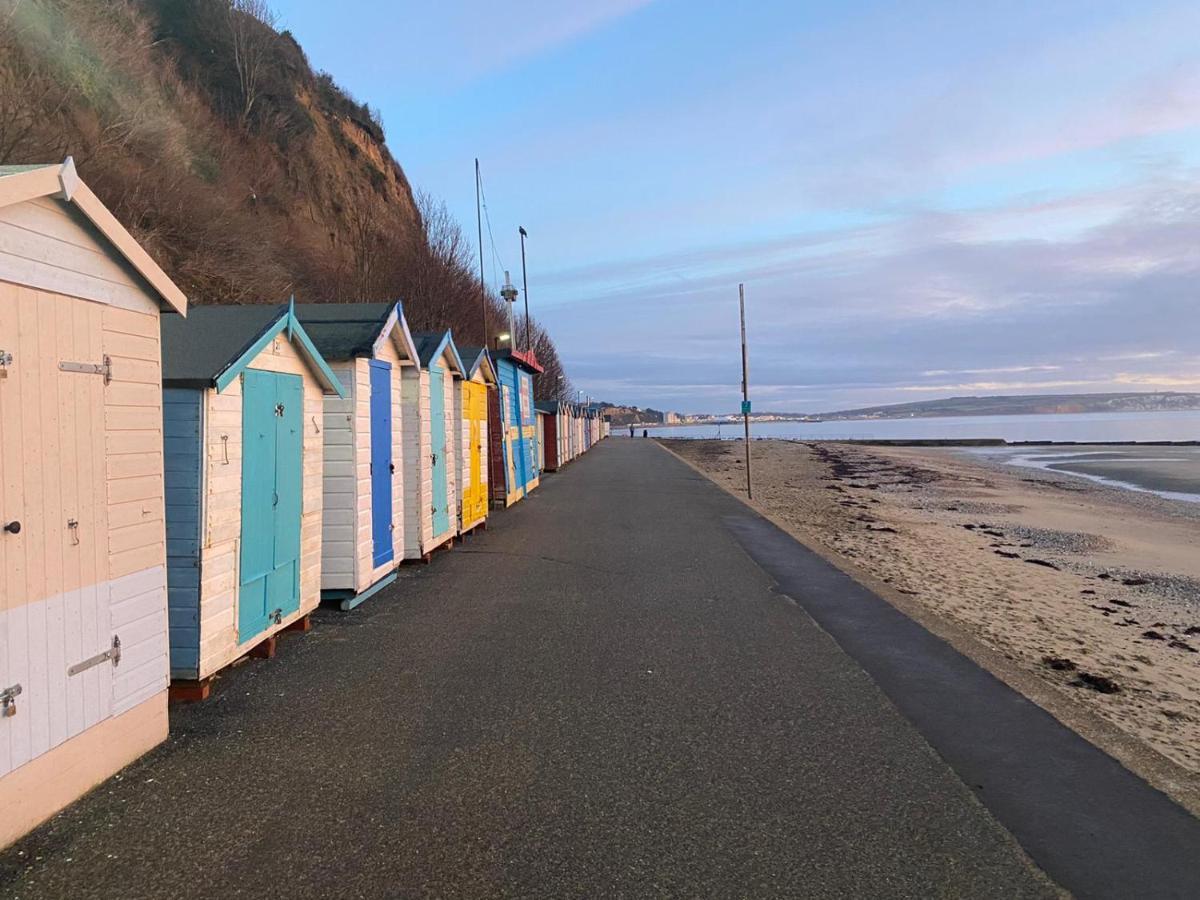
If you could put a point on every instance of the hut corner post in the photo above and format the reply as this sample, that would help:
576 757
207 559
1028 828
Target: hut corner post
745 387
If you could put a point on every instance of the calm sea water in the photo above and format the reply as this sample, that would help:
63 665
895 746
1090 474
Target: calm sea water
1081 427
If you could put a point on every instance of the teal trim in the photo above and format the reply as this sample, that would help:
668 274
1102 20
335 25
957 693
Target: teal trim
318 360
287 320
349 603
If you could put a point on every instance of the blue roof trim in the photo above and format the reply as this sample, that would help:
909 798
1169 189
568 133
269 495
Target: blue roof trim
286 321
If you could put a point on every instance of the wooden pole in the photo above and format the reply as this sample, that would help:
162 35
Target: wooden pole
745 386
482 283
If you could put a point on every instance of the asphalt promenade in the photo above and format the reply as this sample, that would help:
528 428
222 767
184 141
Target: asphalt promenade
604 695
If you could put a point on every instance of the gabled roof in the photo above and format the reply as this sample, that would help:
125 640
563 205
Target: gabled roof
349 330
476 358
527 359
432 344
19 184
216 343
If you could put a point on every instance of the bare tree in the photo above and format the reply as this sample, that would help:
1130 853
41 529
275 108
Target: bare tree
252 33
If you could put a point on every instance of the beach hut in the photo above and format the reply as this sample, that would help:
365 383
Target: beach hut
83 606
431 473
369 348
541 415
552 435
243 390
513 456
479 382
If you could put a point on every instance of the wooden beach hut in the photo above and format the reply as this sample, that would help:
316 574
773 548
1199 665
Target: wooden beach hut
369 348
430 455
553 435
83 600
243 390
479 382
541 415
513 455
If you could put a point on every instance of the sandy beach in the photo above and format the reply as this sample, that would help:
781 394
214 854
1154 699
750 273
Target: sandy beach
1085 597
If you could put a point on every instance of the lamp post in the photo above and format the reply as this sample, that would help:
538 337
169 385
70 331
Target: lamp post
525 285
509 293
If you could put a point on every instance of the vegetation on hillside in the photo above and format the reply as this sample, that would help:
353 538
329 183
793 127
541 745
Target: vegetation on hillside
247 174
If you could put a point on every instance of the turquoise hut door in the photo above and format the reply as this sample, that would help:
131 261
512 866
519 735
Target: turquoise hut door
272 484
437 441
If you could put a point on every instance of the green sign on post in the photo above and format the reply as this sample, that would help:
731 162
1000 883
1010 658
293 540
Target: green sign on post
745 407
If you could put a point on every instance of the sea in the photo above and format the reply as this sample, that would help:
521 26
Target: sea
1079 427
1171 472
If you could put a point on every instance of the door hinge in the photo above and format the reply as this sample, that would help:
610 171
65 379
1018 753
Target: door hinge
101 368
112 653
8 701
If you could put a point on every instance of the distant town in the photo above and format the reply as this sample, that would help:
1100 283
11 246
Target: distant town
1032 404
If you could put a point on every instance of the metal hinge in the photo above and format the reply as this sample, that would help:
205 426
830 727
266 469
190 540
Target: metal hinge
8 701
113 653
102 368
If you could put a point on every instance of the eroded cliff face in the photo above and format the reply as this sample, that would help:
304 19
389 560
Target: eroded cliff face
207 132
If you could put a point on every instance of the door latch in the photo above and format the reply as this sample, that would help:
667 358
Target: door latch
279 409
113 653
433 458
276 617
5 362
8 701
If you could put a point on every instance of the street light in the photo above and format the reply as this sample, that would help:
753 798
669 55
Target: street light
525 284
509 293
502 337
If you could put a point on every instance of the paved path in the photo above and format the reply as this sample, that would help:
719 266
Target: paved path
603 696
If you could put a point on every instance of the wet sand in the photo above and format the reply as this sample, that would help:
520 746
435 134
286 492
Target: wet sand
1173 471
1083 596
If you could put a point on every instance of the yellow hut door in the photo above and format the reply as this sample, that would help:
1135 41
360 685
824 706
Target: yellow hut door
475 496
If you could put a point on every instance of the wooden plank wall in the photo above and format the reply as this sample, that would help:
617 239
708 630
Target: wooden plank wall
182 432
418 477
340 502
50 245
219 644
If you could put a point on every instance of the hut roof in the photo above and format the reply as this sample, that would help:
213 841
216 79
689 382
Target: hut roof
475 358
432 344
215 343
19 184
527 359
348 330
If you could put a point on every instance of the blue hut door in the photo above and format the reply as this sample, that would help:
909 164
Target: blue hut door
437 442
272 484
381 462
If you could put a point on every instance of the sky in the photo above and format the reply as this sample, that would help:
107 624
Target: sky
923 199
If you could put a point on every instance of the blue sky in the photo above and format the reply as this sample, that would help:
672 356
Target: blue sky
923 199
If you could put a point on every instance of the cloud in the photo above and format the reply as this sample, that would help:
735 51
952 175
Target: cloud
876 312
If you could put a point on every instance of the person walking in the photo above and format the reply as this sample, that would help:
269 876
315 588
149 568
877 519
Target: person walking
631 431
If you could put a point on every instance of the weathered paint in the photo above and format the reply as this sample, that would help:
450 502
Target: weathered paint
182 408
514 452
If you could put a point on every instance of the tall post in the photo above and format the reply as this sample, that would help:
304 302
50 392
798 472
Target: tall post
479 228
745 386
525 285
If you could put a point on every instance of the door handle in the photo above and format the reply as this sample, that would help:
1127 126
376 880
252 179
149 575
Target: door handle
433 458
392 468
13 527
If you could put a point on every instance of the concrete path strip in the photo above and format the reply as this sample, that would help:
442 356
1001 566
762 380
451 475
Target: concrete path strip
606 696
